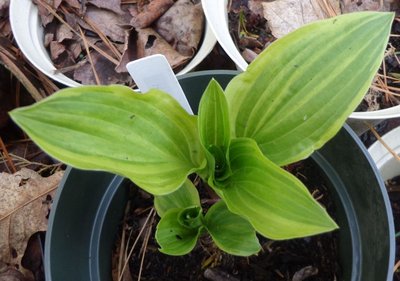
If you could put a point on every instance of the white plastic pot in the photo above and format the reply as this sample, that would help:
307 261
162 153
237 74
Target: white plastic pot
384 160
217 16
28 33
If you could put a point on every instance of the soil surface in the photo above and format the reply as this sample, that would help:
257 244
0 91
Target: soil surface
313 257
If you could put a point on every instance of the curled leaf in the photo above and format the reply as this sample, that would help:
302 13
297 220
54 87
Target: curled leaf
274 201
173 237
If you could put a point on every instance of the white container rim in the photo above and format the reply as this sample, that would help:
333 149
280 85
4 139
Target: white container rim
28 33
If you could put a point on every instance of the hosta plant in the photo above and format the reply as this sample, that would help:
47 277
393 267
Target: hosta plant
289 102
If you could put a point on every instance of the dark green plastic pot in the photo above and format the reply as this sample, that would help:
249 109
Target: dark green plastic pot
89 206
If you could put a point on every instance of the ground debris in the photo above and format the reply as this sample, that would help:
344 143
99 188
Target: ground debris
349 6
305 273
285 16
117 32
24 207
215 274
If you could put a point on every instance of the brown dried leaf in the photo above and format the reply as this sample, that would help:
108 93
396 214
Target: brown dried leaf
128 52
109 23
372 100
305 273
284 16
73 3
150 43
256 7
151 13
45 16
104 69
182 26
12 63
23 210
5 27
56 49
349 6
11 274
63 32
75 48
112 5
4 7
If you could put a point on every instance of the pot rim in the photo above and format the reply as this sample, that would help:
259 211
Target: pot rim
384 160
356 236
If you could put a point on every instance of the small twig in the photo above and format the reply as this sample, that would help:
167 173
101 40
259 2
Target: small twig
47 84
384 79
383 90
121 255
129 2
389 77
85 43
397 157
12 66
327 8
29 202
397 266
106 41
7 156
22 162
390 88
71 67
151 213
144 247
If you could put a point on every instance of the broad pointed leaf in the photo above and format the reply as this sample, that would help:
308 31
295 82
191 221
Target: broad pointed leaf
298 93
230 232
148 138
174 238
274 201
214 128
214 117
184 197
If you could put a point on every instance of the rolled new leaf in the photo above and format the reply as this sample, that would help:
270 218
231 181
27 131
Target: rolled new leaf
148 138
177 236
214 129
298 93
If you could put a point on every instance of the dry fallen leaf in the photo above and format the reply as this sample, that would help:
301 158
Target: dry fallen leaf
112 5
182 26
284 16
45 16
4 7
107 28
24 209
305 273
104 69
149 42
365 5
11 274
109 23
